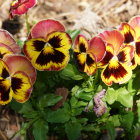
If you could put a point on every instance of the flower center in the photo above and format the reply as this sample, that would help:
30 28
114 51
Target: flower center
115 58
132 43
9 79
14 2
48 48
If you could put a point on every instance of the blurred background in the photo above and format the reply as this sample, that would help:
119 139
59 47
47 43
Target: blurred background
90 16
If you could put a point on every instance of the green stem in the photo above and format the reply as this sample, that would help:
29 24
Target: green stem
27 24
29 124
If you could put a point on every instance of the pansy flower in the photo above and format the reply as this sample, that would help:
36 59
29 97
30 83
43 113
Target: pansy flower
7 44
131 33
117 61
17 77
48 46
19 7
88 53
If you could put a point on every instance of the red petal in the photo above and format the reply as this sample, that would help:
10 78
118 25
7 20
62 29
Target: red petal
114 38
20 10
31 3
44 27
97 47
20 63
135 23
128 32
7 39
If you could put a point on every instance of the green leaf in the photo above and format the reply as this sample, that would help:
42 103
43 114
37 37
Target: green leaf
20 43
73 102
77 77
91 127
70 72
130 86
84 95
73 130
138 110
75 90
40 129
136 81
82 120
124 97
81 103
15 105
49 100
40 87
26 108
111 95
115 120
28 111
111 129
58 116
24 127
121 95
77 111
127 120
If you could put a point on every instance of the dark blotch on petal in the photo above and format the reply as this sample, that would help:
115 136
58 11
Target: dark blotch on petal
107 58
82 47
121 56
1 55
133 61
38 45
5 73
55 57
4 92
118 72
55 42
79 64
128 37
16 84
89 60
138 48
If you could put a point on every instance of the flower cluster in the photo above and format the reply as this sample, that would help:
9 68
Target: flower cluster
17 75
115 52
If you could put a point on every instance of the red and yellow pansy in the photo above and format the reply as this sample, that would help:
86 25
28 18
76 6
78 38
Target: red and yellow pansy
7 44
19 7
131 33
117 61
17 77
88 53
48 46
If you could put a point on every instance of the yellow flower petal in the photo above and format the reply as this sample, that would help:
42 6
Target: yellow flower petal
21 86
116 72
126 54
6 92
108 56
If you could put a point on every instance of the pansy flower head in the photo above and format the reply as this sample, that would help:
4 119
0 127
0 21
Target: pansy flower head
131 33
19 7
17 77
88 53
7 44
117 61
48 46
